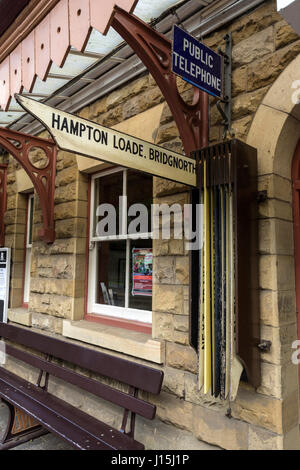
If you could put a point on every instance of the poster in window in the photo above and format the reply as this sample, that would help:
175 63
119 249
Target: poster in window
142 260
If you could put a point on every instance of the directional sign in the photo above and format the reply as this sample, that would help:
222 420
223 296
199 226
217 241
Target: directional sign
196 63
4 282
89 139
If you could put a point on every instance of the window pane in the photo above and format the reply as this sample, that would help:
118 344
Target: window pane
108 189
140 191
140 285
111 276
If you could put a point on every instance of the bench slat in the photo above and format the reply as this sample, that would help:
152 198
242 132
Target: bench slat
137 375
71 424
106 392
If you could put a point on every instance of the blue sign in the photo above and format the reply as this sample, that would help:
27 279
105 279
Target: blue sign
197 63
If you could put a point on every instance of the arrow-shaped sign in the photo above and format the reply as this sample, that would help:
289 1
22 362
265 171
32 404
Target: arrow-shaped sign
77 135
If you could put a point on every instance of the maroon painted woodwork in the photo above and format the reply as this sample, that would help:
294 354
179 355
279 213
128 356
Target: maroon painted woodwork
81 430
154 50
3 196
19 146
9 11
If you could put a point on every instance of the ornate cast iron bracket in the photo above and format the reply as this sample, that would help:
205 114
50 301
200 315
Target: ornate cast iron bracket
154 50
19 146
3 179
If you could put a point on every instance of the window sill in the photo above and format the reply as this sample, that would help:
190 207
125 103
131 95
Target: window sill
132 343
20 315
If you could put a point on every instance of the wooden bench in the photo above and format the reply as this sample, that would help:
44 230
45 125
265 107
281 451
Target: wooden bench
34 411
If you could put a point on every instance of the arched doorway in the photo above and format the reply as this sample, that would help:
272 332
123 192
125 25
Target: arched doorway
296 220
275 132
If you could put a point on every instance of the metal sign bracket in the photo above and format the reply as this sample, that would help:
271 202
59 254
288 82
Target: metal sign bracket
226 110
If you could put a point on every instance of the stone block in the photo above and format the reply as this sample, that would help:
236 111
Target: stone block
241 127
181 338
290 411
282 339
284 34
253 48
66 160
162 326
168 299
20 316
52 306
47 322
260 410
271 380
273 208
268 272
66 193
276 187
276 237
174 382
167 132
67 176
71 228
265 71
286 272
214 427
277 308
163 187
112 117
70 209
255 21
182 270
172 410
181 323
247 103
181 357
261 439
291 440
164 270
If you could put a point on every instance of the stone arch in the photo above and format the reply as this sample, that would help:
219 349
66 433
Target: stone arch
275 132
275 128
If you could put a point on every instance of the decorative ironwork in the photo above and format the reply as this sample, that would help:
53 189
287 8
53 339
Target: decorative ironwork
154 50
3 179
19 146
20 428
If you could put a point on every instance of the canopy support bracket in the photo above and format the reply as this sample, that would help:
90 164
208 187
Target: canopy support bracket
155 51
19 146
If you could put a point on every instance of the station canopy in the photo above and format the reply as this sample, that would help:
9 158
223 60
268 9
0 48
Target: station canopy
72 80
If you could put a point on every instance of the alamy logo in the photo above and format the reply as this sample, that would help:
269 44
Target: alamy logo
176 221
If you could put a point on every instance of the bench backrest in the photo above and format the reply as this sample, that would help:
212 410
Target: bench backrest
137 376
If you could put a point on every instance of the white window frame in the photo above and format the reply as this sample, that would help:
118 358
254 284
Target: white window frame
126 313
28 248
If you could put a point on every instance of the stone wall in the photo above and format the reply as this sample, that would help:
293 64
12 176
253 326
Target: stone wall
264 419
